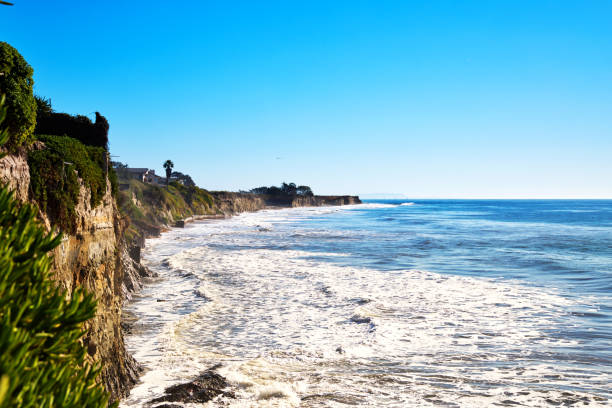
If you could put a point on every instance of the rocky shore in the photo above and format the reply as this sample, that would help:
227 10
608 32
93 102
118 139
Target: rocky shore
209 384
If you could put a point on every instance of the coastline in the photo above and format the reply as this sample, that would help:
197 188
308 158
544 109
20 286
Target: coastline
206 384
250 262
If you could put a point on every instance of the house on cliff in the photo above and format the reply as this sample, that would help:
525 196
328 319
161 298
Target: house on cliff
145 175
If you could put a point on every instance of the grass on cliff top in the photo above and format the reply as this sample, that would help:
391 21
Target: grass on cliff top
147 206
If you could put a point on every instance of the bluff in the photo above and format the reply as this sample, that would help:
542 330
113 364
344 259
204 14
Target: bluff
90 257
281 200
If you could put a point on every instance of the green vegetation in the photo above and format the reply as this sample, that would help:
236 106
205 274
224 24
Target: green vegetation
168 165
55 173
285 189
16 84
80 127
147 206
42 362
184 178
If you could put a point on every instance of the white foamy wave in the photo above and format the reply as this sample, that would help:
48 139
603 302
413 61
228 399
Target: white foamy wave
291 329
410 203
366 206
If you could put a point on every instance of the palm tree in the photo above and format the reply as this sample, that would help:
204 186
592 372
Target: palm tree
168 165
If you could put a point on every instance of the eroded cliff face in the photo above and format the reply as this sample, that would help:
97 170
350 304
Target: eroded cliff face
318 201
15 173
92 258
234 203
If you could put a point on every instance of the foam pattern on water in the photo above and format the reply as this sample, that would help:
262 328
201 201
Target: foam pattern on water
296 328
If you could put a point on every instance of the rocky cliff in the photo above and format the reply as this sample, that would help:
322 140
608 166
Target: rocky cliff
307 201
318 201
92 258
15 173
233 203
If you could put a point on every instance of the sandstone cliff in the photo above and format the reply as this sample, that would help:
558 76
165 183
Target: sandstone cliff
15 173
91 257
234 203
318 201
307 201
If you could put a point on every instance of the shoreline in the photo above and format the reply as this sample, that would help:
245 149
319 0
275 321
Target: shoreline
130 320
235 350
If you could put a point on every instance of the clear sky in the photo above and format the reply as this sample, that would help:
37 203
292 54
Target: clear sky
423 98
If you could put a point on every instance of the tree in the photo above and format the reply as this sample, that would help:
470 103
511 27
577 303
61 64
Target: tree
43 106
304 191
168 165
185 178
289 189
80 127
17 85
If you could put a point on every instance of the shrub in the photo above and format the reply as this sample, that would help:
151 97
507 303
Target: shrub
285 189
17 84
42 362
78 127
55 173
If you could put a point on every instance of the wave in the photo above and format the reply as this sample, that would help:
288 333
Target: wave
278 318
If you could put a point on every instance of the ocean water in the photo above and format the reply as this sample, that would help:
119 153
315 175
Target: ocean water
450 303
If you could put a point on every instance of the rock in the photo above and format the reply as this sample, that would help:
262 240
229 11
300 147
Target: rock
15 173
134 252
203 388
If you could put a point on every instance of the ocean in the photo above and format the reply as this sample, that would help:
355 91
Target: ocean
396 303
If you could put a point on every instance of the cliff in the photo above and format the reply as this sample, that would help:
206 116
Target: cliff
90 257
307 201
318 201
15 173
233 203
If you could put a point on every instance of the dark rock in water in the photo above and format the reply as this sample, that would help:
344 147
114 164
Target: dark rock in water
361 319
134 252
128 320
168 406
203 388
340 350
326 290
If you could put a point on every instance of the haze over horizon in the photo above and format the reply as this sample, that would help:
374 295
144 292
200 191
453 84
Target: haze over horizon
436 99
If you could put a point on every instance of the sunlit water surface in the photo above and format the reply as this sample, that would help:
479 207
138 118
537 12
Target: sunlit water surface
394 303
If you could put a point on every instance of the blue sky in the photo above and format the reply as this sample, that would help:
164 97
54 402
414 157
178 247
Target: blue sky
508 99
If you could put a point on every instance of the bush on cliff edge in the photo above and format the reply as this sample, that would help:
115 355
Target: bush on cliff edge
42 362
55 173
17 84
